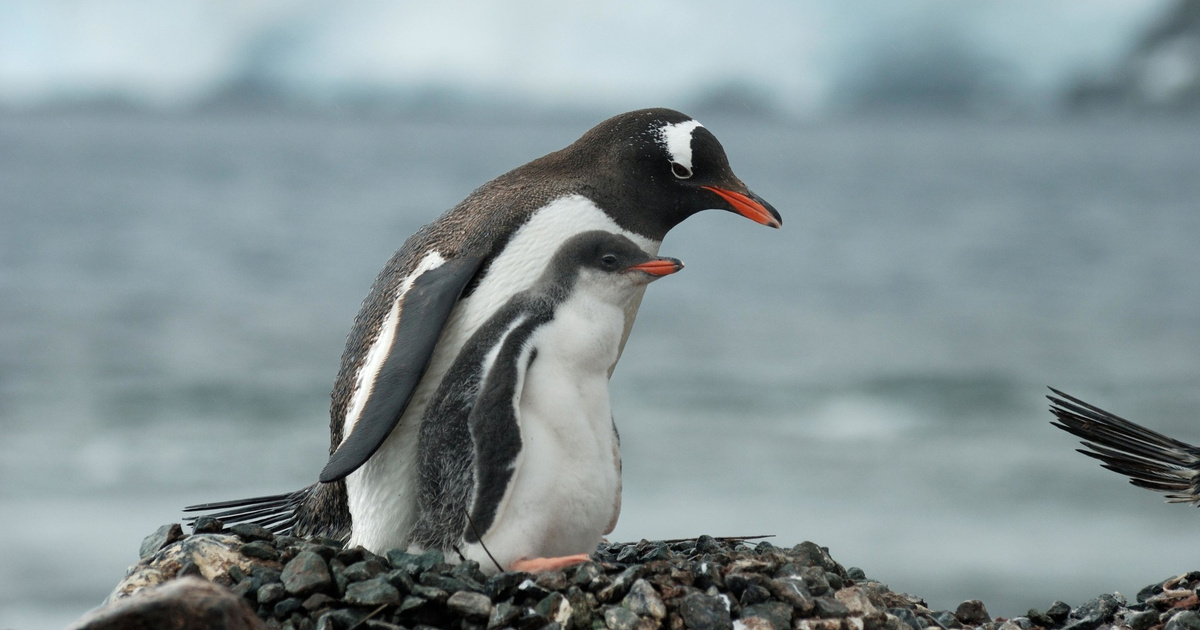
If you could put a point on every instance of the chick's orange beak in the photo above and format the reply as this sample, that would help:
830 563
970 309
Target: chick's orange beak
658 267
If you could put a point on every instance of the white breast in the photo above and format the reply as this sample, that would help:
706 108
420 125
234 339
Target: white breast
566 482
382 493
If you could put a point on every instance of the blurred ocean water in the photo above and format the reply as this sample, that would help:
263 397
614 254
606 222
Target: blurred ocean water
175 292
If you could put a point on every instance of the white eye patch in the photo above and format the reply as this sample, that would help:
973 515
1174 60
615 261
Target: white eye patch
677 138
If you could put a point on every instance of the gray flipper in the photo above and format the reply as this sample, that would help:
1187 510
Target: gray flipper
427 306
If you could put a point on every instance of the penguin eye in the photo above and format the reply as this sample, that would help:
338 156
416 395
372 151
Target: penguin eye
680 171
609 260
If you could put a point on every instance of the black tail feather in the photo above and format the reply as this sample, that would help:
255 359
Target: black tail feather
1150 459
277 513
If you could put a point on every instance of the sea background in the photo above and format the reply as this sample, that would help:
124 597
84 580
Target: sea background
176 285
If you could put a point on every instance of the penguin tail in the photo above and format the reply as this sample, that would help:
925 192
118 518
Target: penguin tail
1150 459
317 510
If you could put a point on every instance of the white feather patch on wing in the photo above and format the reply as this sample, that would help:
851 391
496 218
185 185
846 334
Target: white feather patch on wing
382 346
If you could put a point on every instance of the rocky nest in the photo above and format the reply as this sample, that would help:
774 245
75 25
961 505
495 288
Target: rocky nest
702 584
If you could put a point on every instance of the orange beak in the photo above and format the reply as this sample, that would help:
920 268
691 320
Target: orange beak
658 267
749 206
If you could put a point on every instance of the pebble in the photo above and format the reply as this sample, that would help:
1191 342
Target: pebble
701 584
644 600
161 537
372 592
705 612
972 612
306 573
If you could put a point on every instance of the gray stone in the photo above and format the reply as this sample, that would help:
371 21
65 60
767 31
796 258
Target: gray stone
363 570
473 606
271 593
251 533
1185 620
829 608
372 592
317 601
972 612
906 616
778 613
259 549
503 615
619 618
792 591
188 603
705 612
307 572
285 608
1058 611
644 600
161 537
1143 620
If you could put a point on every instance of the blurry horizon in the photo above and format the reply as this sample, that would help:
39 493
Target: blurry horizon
778 59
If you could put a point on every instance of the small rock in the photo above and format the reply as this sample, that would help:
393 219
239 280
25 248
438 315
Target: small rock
429 559
161 537
259 549
285 608
474 606
619 618
705 612
644 600
1039 618
363 570
856 601
554 607
1058 611
627 555
1185 620
250 533
185 604
271 593
501 586
945 619
307 572
620 585
757 623
792 591
503 615
754 594
552 580
373 592
855 573
1143 620
707 544
207 525
906 616
814 580
972 612
829 608
778 613
317 601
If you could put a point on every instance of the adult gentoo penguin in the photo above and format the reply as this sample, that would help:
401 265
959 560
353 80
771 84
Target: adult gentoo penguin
1150 459
518 459
637 174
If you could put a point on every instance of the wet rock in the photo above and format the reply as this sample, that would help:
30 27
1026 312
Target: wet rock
161 537
705 612
473 606
972 612
185 604
644 600
372 592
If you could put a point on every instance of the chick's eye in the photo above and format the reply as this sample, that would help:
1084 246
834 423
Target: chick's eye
609 260
680 171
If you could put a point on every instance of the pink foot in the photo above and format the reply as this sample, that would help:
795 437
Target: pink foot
540 565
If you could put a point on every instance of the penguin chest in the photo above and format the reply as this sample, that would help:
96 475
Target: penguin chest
566 486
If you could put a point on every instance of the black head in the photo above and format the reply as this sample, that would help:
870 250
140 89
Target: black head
653 168
600 253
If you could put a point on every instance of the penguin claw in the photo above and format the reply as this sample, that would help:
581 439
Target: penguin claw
541 565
